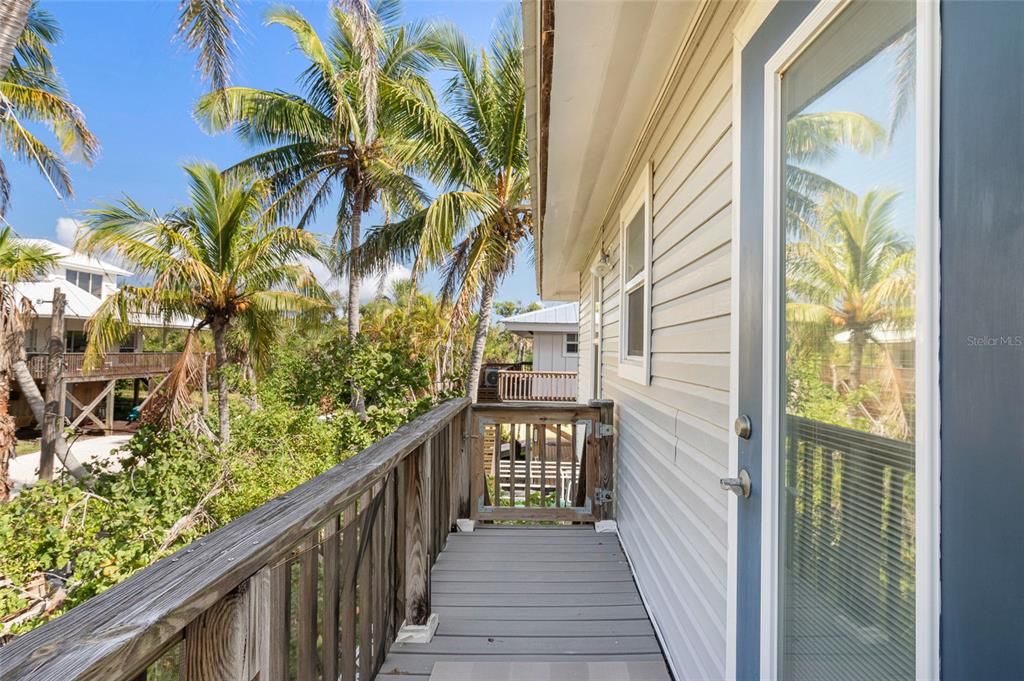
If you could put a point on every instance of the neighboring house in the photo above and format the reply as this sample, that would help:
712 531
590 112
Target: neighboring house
555 334
739 195
552 375
85 281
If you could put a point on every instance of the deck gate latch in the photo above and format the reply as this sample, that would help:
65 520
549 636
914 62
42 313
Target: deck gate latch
603 496
605 430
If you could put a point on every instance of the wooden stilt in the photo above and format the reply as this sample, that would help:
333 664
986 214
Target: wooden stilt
110 406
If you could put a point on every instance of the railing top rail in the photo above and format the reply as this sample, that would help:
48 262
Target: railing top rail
120 631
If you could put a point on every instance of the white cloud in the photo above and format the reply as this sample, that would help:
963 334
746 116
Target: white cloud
67 231
369 287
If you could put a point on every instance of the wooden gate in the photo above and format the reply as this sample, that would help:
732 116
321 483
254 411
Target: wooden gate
541 462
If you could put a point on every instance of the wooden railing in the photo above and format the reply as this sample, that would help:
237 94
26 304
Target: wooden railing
115 364
312 585
542 463
537 386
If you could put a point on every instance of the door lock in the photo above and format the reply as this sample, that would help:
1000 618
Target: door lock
740 485
743 427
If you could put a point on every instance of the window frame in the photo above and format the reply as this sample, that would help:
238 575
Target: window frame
566 341
636 368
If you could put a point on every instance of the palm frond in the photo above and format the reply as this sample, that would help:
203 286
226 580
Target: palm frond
205 26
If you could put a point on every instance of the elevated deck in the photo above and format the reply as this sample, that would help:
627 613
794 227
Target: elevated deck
115 365
521 603
330 580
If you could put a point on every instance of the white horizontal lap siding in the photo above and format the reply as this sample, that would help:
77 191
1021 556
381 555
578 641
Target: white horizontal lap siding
673 434
585 375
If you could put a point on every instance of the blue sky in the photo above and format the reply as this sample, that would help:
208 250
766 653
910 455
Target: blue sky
137 87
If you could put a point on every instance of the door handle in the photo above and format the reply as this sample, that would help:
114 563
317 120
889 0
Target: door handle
740 485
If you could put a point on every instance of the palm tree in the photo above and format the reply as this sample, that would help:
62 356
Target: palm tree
219 260
352 132
18 261
13 17
477 226
814 138
856 275
31 91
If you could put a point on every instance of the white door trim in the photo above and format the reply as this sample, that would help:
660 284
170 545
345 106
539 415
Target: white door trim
927 435
927 334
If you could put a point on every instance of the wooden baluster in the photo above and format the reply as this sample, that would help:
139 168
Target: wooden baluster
306 634
496 465
572 457
364 590
377 579
349 563
558 466
280 620
332 569
229 640
542 440
417 569
528 431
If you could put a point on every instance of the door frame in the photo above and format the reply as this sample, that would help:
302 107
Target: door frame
927 458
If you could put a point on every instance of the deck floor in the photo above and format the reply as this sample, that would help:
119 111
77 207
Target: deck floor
522 603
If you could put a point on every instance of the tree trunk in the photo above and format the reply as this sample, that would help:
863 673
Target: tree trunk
50 424
483 323
857 343
220 346
13 17
30 391
357 404
7 440
353 274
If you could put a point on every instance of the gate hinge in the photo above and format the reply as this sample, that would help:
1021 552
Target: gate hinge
605 430
603 496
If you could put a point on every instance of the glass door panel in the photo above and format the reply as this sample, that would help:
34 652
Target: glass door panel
847 527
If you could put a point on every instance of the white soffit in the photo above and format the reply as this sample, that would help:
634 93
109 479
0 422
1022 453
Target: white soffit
610 61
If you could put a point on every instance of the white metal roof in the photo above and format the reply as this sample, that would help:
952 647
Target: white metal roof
557 318
76 260
80 303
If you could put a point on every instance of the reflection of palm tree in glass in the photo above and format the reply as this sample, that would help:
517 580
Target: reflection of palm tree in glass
813 139
856 274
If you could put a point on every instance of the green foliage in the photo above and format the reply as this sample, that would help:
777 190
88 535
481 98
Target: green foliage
87 541
320 370
90 541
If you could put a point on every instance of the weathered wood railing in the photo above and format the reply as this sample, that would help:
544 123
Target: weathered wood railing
542 462
537 386
115 364
312 585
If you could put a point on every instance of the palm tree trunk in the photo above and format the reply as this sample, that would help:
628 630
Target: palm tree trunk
13 17
219 327
357 404
483 323
353 275
6 436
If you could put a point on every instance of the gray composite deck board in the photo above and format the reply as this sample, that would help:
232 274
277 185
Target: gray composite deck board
546 594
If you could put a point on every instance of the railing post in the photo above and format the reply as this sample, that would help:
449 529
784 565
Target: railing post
420 623
605 460
229 641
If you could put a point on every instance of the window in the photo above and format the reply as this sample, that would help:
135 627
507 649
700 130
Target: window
87 281
635 221
74 341
572 344
846 230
